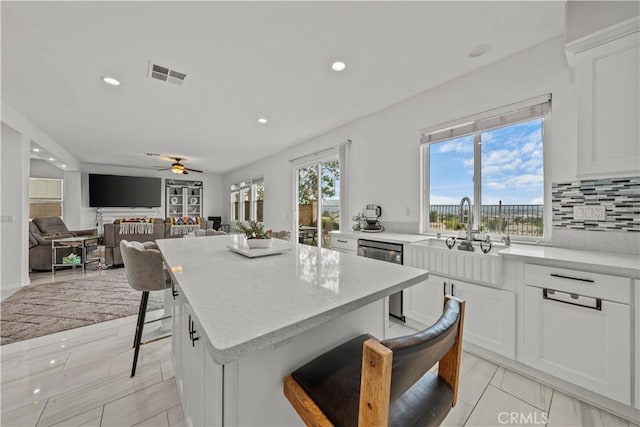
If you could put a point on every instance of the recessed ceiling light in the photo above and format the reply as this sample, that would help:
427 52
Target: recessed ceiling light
338 66
35 150
51 159
262 120
111 81
478 50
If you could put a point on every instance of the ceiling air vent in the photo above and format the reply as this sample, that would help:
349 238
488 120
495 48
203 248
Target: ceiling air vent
165 74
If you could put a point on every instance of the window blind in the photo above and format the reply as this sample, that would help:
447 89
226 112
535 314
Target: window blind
510 114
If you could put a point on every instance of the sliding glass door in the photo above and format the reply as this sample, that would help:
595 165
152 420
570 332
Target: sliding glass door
318 202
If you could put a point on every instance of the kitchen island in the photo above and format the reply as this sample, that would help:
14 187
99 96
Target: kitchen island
242 324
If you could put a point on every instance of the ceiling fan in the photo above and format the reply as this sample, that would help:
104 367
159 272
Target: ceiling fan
177 167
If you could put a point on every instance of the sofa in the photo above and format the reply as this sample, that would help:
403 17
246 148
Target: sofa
42 231
113 237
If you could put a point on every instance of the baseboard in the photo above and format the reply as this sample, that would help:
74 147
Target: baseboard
13 285
621 410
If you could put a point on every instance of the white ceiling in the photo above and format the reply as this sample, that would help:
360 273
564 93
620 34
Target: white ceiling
243 60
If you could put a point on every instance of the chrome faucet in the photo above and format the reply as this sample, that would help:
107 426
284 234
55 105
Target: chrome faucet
461 216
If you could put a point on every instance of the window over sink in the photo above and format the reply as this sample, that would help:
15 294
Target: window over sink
495 159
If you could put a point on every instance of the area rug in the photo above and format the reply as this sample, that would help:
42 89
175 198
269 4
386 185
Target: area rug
44 309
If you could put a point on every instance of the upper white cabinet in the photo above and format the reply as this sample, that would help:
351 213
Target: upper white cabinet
607 91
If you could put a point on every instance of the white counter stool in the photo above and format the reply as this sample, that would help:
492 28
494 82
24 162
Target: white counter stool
145 272
366 382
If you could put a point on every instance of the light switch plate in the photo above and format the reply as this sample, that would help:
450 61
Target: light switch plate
7 218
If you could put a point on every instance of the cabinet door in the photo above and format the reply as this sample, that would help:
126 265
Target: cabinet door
582 345
490 317
607 91
184 378
196 375
423 302
212 391
177 334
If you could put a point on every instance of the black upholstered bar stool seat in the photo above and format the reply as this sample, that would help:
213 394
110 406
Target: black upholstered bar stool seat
329 389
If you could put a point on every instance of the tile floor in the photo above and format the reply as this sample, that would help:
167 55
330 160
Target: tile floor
81 378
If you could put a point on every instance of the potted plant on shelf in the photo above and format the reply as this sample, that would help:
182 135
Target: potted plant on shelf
256 235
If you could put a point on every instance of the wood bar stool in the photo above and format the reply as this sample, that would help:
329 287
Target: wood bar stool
367 382
145 272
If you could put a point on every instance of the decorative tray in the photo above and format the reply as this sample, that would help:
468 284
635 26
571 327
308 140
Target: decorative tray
257 252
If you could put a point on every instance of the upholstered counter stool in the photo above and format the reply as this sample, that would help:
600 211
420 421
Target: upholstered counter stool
145 272
366 382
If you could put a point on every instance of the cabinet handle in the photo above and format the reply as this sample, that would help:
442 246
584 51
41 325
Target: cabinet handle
174 292
561 276
444 288
547 294
453 289
341 241
189 327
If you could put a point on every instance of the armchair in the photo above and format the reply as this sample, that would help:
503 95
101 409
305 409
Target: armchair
53 225
40 248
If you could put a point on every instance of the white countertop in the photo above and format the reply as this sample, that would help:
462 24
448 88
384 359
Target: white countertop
247 304
601 262
383 236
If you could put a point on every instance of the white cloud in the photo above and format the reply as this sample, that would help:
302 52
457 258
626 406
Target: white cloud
456 146
537 201
435 199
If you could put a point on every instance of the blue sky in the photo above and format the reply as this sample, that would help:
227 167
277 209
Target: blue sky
512 169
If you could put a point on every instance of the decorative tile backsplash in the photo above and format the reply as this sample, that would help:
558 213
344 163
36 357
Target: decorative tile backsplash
619 196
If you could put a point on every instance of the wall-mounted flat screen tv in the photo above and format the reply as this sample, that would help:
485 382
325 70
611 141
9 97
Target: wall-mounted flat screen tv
116 191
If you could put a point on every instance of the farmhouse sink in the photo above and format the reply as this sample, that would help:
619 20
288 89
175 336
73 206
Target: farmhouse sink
476 266
441 244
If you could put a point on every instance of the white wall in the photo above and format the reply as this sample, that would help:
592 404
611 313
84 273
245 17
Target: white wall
211 183
585 17
39 168
384 157
14 233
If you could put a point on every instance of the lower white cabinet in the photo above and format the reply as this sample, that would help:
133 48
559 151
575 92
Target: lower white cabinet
573 330
490 314
343 244
489 318
423 302
198 377
637 327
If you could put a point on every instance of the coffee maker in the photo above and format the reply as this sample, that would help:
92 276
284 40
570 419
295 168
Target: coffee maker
371 215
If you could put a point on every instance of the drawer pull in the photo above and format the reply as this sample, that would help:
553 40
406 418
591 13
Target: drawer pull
341 241
561 276
565 298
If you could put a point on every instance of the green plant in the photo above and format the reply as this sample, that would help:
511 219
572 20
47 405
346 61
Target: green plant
254 230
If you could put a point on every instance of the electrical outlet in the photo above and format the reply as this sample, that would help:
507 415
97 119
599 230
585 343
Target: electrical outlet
578 213
598 213
7 218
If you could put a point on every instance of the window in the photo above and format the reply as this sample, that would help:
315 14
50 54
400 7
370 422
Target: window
45 197
247 199
495 160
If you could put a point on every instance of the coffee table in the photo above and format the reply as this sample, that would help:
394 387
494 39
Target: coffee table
82 243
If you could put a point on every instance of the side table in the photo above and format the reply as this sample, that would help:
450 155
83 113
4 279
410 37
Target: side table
81 242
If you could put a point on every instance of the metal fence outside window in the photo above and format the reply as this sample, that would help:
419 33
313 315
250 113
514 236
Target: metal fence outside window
523 220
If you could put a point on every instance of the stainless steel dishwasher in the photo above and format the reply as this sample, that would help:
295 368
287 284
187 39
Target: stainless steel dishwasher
389 252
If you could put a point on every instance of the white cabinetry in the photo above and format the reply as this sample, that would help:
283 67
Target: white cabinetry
607 91
636 324
489 312
198 378
344 244
489 318
577 326
183 198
